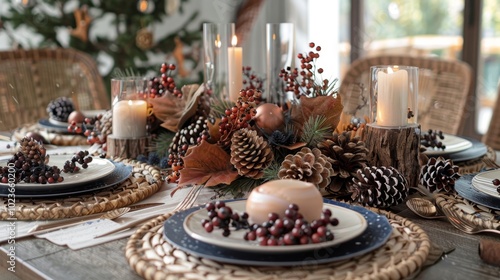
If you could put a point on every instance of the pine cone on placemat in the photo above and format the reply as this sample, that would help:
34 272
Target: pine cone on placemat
439 175
250 153
347 155
60 108
307 165
380 187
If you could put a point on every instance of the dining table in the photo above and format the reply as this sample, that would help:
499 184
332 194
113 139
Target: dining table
39 258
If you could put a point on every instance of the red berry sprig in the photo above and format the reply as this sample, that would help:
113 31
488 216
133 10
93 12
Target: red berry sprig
252 81
165 83
308 85
238 116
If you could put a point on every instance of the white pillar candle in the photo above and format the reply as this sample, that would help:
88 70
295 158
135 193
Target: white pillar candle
392 98
129 119
235 70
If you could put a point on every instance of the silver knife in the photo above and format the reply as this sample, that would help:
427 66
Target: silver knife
45 227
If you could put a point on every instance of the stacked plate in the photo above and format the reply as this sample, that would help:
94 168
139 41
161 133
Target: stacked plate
458 149
359 231
483 182
100 174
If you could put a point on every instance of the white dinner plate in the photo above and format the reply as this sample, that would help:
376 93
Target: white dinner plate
351 224
453 144
97 169
483 182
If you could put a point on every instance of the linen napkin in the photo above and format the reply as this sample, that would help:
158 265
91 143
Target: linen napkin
82 235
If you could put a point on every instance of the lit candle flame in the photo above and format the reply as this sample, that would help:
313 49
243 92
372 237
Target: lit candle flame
143 5
217 41
234 41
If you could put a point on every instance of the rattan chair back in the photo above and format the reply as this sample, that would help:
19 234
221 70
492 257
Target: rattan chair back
492 136
30 79
444 90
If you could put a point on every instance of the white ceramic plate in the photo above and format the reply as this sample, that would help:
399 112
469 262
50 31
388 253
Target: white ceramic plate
351 224
97 169
453 144
483 182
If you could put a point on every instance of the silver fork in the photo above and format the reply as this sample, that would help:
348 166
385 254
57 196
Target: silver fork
465 225
186 203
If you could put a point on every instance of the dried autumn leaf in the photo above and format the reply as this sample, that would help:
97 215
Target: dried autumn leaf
207 164
213 130
174 111
325 105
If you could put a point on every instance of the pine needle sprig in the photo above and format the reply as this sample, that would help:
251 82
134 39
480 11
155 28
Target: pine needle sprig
218 106
238 188
315 130
162 143
271 172
128 72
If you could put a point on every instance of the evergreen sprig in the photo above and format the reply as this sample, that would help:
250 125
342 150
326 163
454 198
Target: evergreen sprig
218 106
315 130
238 188
161 143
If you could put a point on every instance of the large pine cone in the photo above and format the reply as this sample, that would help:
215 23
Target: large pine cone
347 155
250 153
439 174
380 187
307 165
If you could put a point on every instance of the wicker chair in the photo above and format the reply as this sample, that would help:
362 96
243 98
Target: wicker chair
444 88
492 136
30 79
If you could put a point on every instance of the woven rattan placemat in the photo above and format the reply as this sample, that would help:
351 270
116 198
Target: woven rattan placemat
144 181
477 214
404 254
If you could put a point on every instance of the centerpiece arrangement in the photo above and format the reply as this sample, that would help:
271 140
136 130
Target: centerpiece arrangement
236 146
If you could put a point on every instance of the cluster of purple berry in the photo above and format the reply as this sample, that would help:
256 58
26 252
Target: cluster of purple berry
433 139
292 229
496 183
82 158
222 217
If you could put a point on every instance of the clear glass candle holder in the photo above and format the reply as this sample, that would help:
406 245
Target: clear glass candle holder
393 95
223 72
130 107
279 55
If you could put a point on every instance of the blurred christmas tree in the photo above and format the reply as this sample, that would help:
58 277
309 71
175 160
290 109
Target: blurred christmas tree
118 32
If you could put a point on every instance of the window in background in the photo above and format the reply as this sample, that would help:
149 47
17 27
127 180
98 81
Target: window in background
489 63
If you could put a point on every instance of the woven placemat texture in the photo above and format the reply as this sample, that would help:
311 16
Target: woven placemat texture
404 254
478 214
144 181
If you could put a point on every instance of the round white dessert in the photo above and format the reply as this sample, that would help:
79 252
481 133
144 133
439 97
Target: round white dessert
275 197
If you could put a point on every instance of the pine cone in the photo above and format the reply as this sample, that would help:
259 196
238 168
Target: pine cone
347 155
439 174
307 165
105 124
380 186
185 137
60 108
250 153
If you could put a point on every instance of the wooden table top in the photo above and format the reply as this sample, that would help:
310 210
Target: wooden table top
41 259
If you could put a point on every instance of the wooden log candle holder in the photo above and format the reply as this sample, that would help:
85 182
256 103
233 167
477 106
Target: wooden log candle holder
397 147
125 147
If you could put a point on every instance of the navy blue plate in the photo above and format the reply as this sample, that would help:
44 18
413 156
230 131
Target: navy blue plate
377 233
464 188
119 174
